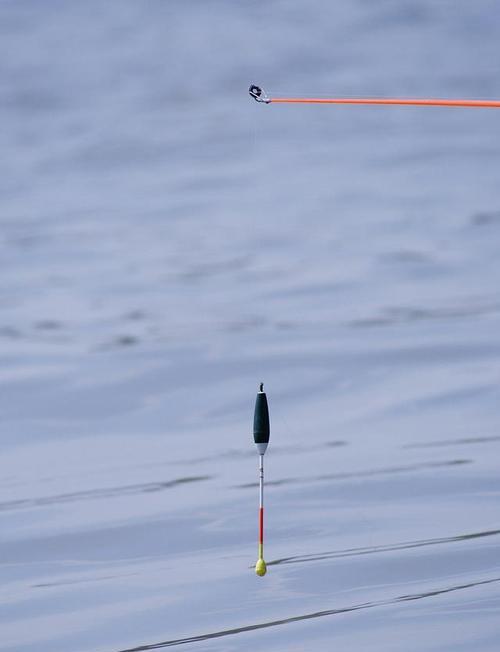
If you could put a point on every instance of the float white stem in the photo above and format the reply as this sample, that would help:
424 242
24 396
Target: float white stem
261 506
260 566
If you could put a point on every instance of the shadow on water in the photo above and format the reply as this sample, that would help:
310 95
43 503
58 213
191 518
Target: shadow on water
358 474
92 494
369 550
310 616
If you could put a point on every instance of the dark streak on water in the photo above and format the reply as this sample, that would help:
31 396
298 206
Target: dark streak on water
318 614
466 441
358 474
94 494
334 554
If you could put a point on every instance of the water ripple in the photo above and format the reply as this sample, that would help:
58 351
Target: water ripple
368 550
454 442
358 474
309 616
91 494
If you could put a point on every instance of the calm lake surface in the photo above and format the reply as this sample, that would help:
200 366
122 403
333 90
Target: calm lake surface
166 244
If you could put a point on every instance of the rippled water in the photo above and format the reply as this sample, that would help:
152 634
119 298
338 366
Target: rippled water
166 244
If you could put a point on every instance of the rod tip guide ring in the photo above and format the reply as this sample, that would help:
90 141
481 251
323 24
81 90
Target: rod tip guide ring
258 94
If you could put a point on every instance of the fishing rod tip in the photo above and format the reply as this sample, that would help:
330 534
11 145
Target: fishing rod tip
258 94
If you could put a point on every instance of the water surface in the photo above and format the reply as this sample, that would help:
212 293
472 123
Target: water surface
165 245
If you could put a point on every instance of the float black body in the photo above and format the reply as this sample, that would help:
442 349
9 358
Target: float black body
261 418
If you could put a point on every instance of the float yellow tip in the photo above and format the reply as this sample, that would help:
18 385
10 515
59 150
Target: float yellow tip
260 567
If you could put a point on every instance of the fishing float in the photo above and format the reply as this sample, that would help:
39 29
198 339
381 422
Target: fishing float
261 432
260 96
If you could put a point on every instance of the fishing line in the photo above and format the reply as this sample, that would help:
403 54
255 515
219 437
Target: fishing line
260 96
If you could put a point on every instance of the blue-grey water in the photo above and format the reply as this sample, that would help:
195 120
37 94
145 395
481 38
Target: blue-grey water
166 244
